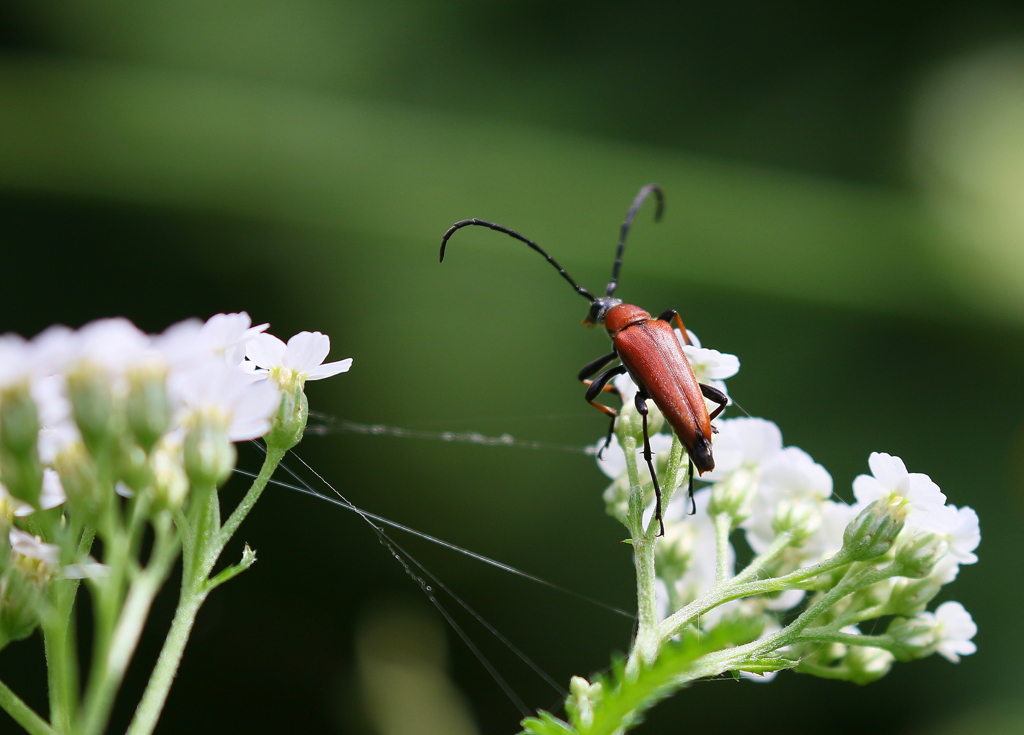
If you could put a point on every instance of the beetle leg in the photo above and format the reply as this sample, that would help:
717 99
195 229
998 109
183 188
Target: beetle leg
713 394
693 503
671 315
608 388
595 388
592 367
641 406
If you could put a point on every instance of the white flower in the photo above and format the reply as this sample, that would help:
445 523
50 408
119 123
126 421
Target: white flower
54 347
245 408
924 501
707 364
304 355
791 483
228 334
111 343
15 360
744 442
954 629
965 536
33 547
828 539
613 460
222 336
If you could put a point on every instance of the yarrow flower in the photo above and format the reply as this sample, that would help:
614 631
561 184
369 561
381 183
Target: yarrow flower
159 412
117 440
924 502
302 357
900 529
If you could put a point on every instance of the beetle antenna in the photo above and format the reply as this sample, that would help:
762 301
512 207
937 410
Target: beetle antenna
628 222
512 233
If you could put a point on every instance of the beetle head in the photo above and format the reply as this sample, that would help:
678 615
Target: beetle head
599 308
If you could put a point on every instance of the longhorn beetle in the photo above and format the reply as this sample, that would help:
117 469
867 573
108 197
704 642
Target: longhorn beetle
648 350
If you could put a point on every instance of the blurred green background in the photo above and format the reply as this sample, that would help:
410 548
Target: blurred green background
845 212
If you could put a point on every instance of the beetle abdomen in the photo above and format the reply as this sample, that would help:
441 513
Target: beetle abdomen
653 355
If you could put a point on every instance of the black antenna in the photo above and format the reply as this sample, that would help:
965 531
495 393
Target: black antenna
483 223
628 222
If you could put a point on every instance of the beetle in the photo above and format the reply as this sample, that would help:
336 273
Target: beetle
647 349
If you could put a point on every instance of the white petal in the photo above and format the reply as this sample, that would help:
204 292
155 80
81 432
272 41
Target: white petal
966 536
867 489
252 415
887 469
52 493
956 622
265 350
306 350
329 368
28 545
693 338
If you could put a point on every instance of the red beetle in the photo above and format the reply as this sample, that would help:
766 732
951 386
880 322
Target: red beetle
648 350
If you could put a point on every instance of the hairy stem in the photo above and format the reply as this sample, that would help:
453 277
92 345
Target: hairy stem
194 589
22 713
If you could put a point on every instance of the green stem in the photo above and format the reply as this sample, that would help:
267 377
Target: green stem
194 589
723 526
123 638
675 475
824 635
22 713
645 646
735 588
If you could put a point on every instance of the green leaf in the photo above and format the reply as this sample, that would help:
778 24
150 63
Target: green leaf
545 724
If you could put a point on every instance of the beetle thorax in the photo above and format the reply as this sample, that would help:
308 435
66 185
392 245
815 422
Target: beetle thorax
624 315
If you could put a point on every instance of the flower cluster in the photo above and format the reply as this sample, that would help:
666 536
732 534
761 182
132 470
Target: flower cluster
105 428
830 565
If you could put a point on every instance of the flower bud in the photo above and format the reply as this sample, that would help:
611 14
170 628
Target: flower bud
799 517
631 423
872 595
866 664
29 566
77 471
19 420
583 698
148 406
170 483
19 601
20 469
873 532
132 466
735 495
917 556
675 551
209 456
911 596
616 499
290 422
92 404
913 637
